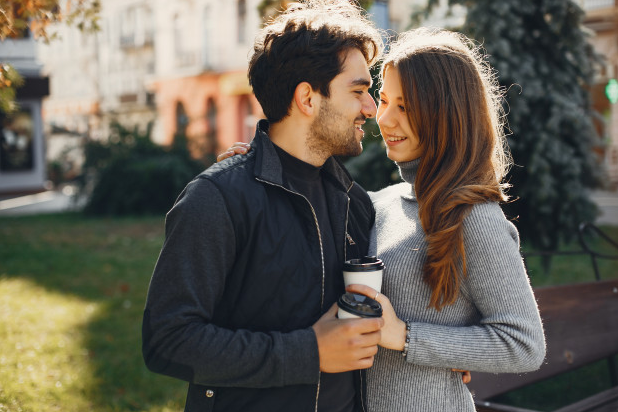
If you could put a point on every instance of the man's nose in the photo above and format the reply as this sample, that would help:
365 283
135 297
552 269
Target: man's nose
369 108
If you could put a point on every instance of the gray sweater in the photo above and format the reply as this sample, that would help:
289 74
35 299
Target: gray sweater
494 326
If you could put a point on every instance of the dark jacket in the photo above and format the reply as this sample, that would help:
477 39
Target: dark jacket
240 281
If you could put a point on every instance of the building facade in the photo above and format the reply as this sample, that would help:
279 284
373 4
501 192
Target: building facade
200 81
179 67
22 146
97 79
602 19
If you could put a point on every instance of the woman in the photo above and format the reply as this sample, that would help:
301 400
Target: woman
458 293
455 291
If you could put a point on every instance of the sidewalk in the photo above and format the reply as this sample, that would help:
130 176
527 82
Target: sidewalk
51 201
608 206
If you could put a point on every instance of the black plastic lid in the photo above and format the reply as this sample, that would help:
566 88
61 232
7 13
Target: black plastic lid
360 305
366 264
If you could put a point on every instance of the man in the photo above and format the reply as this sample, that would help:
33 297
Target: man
241 302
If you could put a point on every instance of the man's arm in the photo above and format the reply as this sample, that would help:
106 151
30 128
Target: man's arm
178 337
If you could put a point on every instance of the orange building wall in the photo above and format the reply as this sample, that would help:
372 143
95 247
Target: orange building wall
194 93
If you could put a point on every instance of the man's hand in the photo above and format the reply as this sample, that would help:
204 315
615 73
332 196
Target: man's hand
466 376
346 344
236 148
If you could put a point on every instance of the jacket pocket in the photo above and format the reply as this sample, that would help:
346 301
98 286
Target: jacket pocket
200 398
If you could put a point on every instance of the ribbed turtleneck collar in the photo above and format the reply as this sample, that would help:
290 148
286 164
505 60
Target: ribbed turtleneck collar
296 167
408 170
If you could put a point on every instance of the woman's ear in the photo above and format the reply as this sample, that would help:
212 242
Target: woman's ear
306 99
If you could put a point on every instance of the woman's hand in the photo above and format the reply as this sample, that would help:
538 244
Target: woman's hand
394 329
236 148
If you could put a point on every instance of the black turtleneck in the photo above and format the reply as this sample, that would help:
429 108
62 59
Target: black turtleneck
336 389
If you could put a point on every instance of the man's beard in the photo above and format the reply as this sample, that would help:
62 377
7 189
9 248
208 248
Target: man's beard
331 135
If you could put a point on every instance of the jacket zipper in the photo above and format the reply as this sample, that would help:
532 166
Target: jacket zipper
317 226
345 257
347 213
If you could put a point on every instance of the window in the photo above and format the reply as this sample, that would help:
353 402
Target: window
211 127
242 21
245 119
127 27
17 141
182 120
177 36
207 49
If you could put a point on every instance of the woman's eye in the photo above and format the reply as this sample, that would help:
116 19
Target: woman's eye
403 109
382 101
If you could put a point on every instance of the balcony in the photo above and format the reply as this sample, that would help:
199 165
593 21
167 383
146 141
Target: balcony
136 40
590 5
21 53
601 15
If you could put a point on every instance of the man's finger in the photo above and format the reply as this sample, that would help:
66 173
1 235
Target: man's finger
366 325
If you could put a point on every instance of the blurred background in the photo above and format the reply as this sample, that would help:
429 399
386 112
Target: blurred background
109 107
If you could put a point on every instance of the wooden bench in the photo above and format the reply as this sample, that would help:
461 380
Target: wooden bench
581 327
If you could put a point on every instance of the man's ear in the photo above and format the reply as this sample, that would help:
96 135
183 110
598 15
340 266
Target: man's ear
306 99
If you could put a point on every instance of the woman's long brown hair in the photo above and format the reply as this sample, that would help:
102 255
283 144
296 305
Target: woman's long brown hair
453 104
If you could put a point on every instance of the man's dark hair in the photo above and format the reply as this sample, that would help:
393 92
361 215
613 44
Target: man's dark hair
306 43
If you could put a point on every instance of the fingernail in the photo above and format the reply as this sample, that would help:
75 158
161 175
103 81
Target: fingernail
243 150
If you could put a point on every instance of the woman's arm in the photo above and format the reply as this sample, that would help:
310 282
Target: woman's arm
509 336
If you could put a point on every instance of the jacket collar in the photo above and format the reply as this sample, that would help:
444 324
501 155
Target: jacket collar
268 166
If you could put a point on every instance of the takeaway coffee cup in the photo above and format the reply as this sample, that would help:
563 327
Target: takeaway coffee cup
352 305
365 271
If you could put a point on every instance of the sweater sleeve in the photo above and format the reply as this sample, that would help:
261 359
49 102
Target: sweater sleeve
178 336
509 336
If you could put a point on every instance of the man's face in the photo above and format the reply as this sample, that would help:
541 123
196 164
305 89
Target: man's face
337 130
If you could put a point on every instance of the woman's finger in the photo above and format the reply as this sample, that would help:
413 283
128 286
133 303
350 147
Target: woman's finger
236 148
225 155
362 290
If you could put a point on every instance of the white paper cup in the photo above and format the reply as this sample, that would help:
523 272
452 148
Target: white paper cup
366 271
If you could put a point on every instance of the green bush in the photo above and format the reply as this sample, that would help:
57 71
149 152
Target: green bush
129 174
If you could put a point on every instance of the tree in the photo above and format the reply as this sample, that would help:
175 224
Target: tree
542 48
20 17
9 81
545 64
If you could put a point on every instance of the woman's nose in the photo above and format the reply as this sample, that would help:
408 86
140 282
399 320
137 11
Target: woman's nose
385 117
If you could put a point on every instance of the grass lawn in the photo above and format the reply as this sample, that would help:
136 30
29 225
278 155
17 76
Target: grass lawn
72 290
575 268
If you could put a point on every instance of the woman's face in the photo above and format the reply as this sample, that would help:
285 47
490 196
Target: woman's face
402 145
